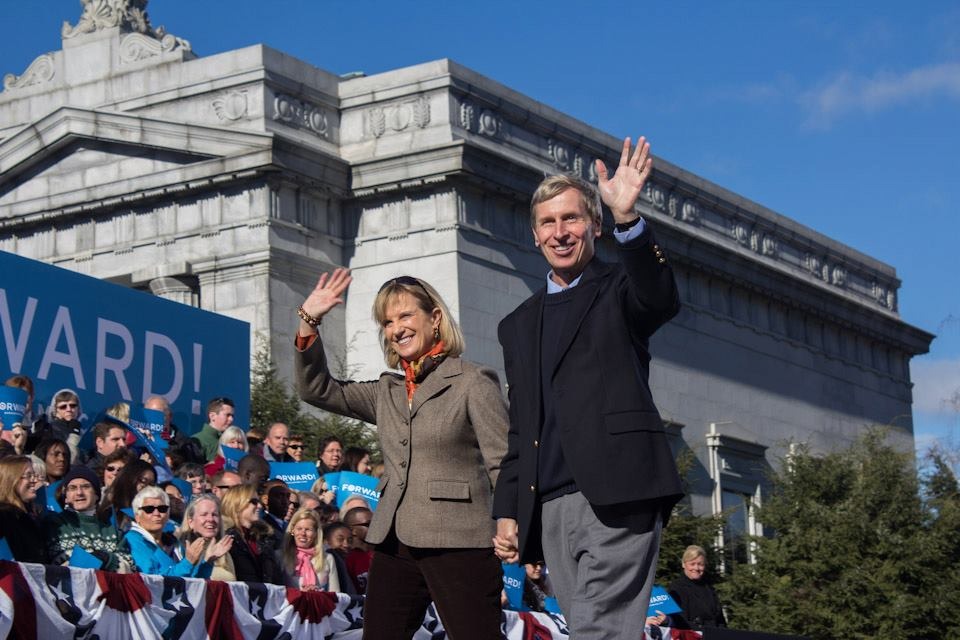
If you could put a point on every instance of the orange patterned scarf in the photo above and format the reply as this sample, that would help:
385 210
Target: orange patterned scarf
415 372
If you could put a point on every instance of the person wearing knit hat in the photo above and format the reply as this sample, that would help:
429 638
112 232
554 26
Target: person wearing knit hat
78 472
79 526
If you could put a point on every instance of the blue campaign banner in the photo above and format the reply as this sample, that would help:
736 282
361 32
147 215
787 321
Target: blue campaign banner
232 458
110 343
13 404
661 601
47 497
299 476
333 481
551 605
149 422
146 443
514 575
356 484
83 559
184 487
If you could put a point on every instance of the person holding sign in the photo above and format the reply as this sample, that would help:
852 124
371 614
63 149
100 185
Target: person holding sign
442 425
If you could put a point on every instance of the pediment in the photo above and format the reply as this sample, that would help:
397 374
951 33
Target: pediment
85 163
73 150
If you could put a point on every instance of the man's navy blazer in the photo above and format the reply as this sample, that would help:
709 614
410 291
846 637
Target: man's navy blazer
611 434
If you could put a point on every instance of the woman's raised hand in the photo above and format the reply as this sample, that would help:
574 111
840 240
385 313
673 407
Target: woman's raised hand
328 293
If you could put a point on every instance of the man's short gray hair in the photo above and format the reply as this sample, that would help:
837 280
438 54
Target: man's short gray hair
552 186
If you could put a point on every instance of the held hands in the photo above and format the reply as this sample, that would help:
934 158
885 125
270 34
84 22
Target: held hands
505 542
621 191
325 296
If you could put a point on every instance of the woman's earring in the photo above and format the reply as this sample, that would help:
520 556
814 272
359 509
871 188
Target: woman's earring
436 334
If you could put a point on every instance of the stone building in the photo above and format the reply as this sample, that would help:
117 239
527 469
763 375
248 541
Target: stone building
231 181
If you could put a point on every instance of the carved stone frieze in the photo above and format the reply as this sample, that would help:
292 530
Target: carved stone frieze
592 175
231 105
296 113
578 165
137 46
740 232
655 194
490 123
838 276
468 116
690 212
559 153
769 245
378 121
813 264
398 117
421 112
41 70
673 206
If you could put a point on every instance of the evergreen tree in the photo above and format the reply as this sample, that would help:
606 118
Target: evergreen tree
271 400
856 552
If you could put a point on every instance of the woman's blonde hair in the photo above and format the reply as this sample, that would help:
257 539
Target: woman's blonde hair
120 411
427 299
290 546
693 552
233 502
11 469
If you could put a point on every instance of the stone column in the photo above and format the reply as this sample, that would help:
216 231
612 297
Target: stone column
174 288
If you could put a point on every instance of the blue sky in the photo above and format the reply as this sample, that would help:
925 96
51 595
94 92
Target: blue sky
844 116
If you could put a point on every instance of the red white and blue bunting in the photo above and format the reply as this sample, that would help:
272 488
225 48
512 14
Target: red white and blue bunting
39 602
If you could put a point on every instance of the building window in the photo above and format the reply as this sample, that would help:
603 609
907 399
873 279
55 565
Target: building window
737 470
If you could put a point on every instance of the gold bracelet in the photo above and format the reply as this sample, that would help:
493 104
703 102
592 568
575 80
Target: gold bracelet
306 317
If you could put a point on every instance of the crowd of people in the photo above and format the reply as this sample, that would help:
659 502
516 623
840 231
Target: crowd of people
113 507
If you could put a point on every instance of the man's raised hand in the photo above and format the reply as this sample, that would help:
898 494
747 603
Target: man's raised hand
620 192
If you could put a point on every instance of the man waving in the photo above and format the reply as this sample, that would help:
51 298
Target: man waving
589 477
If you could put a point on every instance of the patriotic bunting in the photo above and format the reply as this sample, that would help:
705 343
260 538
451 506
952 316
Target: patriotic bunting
39 602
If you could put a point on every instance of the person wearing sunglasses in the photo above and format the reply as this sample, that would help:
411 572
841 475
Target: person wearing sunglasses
254 551
154 551
442 425
111 466
295 448
61 421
